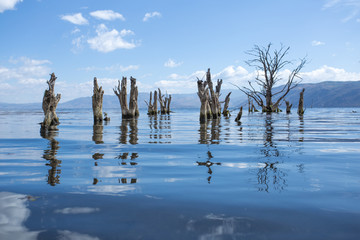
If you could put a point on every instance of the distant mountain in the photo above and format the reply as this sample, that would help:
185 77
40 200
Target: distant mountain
327 94
324 94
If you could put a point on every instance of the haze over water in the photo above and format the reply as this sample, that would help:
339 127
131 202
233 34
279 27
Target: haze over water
273 176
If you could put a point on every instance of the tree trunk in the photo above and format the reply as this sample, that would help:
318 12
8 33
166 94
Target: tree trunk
152 106
97 102
214 96
164 103
288 107
268 96
238 117
49 104
121 92
203 94
301 103
226 112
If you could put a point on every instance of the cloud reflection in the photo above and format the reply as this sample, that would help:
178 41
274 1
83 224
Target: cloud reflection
13 214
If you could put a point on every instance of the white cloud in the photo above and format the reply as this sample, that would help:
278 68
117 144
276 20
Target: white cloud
77 210
107 15
23 76
108 41
126 32
13 215
68 235
346 5
317 43
112 68
77 19
171 63
326 73
8 5
151 15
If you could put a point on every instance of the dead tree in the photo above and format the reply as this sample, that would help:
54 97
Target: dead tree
214 95
301 109
288 107
164 103
226 112
97 102
268 65
238 117
152 106
210 104
49 104
131 110
203 93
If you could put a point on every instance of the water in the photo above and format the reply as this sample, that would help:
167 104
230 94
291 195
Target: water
271 177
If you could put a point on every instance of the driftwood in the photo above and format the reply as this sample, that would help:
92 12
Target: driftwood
164 103
97 102
49 104
238 117
226 112
288 107
131 110
203 93
301 103
152 105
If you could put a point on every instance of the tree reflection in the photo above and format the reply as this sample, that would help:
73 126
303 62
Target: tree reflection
50 155
125 161
98 133
208 163
269 175
124 129
160 128
215 131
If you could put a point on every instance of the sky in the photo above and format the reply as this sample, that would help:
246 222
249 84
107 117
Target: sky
167 44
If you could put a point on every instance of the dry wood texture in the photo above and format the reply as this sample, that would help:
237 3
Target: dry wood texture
131 110
97 102
301 103
49 104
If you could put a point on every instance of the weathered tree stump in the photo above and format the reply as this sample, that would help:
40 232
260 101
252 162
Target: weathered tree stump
97 102
226 112
214 95
203 93
164 103
49 104
301 109
210 104
131 110
152 105
238 117
288 107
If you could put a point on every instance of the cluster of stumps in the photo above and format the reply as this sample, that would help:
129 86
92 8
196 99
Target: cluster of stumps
209 98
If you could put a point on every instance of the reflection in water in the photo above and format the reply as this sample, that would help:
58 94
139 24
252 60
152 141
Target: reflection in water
124 129
13 214
269 174
98 133
160 129
208 164
301 128
214 136
50 155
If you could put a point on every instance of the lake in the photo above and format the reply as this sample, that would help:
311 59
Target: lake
273 176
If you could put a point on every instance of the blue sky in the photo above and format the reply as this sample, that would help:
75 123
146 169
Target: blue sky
167 44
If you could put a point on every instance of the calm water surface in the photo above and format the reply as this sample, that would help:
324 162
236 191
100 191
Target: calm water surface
168 177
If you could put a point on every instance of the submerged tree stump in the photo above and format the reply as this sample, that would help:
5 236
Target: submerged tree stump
164 103
210 104
288 107
226 112
49 104
301 103
152 105
131 110
203 93
97 102
238 117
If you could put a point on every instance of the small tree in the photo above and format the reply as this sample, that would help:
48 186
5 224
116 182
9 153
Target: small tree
268 65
